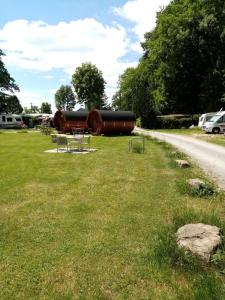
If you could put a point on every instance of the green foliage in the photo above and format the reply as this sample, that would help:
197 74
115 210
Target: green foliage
134 94
89 86
185 55
182 69
13 105
46 108
32 110
174 123
7 85
206 190
65 98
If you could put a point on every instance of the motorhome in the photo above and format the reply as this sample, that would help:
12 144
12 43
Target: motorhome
216 124
10 121
205 118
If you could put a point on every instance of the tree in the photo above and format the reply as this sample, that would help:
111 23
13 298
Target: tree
7 84
89 86
13 105
32 110
65 98
46 108
185 56
134 94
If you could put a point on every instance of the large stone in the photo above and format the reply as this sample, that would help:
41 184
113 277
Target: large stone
196 184
182 163
200 239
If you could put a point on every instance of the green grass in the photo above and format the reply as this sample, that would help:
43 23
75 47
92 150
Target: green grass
218 139
188 131
101 225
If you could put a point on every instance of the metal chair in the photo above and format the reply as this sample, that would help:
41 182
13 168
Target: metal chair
87 141
77 142
62 141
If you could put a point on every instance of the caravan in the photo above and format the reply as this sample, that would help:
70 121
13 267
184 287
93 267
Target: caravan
10 121
216 124
205 118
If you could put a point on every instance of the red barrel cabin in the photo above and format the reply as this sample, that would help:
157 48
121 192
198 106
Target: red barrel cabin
111 122
65 121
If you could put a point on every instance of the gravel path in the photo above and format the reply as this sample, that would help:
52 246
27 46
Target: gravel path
210 157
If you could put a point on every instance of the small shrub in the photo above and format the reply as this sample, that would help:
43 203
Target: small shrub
204 191
138 122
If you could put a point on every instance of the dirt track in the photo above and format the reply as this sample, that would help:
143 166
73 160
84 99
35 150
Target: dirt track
210 157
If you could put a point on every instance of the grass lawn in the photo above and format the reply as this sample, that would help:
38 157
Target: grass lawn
100 225
188 131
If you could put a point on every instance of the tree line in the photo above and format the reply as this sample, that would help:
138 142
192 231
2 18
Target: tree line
182 69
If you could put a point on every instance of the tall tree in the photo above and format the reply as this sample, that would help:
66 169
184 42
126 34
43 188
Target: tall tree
185 55
46 108
65 98
89 86
13 105
134 94
7 84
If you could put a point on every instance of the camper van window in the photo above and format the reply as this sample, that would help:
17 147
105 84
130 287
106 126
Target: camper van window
208 118
3 118
18 119
9 119
214 119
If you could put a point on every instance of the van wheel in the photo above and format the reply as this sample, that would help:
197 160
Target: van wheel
216 130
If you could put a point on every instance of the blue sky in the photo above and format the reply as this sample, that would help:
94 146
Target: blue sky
44 41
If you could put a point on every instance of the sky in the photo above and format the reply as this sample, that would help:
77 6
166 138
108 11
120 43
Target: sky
44 41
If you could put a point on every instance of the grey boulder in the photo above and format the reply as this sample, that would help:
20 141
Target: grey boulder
200 239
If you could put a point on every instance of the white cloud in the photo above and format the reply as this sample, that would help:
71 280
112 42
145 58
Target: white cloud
142 13
42 47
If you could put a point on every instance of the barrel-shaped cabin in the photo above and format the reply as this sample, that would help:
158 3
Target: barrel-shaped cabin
111 122
65 121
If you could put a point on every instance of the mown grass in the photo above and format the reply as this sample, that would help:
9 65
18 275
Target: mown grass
102 225
188 131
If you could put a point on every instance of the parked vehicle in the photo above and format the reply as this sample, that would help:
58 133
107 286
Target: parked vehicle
205 118
11 121
216 124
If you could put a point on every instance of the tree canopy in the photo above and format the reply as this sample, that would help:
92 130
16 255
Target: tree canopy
46 108
89 86
182 69
7 85
12 105
65 98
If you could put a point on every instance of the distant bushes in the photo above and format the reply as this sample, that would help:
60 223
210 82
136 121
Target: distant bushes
175 122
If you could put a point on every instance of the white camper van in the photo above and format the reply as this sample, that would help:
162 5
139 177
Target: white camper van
10 121
216 124
205 118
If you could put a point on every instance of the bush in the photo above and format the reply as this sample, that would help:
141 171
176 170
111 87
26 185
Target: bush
171 122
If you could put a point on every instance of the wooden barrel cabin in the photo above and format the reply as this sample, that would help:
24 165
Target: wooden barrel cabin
111 122
65 121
